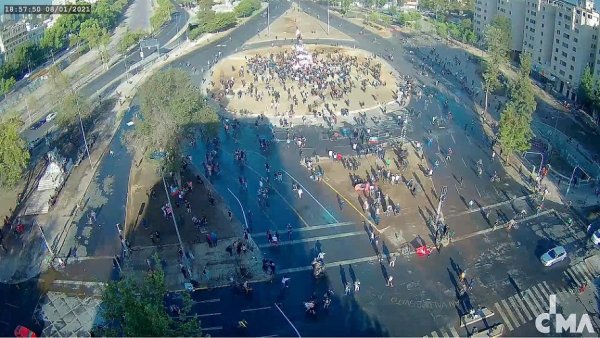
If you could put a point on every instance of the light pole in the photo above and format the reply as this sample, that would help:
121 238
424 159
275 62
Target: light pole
45 240
268 18
184 258
535 153
328 17
87 148
438 212
573 175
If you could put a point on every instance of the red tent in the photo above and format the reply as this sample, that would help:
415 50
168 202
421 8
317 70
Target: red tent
423 251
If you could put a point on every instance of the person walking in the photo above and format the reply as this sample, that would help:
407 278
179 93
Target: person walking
356 286
347 289
285 282
390 281
471 203
300 192
392 261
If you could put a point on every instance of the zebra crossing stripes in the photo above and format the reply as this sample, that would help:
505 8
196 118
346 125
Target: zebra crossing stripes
513 302
448 331
579 273
503 316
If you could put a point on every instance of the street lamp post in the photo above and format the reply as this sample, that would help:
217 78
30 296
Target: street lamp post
45 240
328 17
438 212
184 258
268 18
571 179
87 148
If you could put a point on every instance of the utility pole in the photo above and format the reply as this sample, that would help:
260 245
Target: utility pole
268 18
184 258
438 213
45 240
87 148
328 17
28 111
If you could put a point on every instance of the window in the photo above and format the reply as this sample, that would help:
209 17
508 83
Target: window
542 25
576 30
566 36
555 59
572 68
561 72
560 15
556 50
566 45
542 34
594 37
558 31
557 41
570 76
573 58
562 63
567 26
564 54
575 39
574 49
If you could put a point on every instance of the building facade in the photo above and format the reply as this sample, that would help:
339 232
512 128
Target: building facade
11 37
560 35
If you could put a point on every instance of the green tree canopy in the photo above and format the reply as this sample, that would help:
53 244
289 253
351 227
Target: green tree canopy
71 107
497 40
345 6
138 309
171 107
14 153
246 8
515 119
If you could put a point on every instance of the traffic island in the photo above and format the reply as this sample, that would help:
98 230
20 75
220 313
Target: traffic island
412 192
206 230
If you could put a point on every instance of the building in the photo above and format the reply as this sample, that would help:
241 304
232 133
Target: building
409 5
11 36
560 35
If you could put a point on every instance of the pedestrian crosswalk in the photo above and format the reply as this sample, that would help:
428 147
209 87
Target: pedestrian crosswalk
525 306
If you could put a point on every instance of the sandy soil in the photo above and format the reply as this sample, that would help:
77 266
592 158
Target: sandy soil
371 97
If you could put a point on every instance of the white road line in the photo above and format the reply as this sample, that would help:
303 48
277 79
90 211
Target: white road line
444 333
313 227
562 295
510 313
573 276
524 308
214 300
504 318
313 239
531 303
478 193
210 314
337 263
434 334
463 159
538 299
546 289
453 331
579 275
77 282
582 271
313 197
257 309
212 328
517 307
453 140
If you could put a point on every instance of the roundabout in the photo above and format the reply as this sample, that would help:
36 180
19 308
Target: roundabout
302 79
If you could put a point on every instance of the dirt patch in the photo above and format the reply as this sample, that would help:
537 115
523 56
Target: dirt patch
355 99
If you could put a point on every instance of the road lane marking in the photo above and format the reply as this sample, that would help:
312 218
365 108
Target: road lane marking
453 331
313 239
257 309
453 140
478 193
77 282
537 307
524 308
210 314
434 334
212 328
573 277
491 206
541 298
463 159
583 271
516 308
510 313
312 227
331 264
504 318
214 300
311 195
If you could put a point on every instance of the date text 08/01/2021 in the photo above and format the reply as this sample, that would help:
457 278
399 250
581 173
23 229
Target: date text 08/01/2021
48 9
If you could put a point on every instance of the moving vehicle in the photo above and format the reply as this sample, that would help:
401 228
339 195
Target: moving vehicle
37 124
50 117
596 237
553 256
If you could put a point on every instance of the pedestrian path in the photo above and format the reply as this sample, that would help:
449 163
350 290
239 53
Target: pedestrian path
523 307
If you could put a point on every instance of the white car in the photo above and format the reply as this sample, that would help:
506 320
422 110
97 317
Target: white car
553 256
50 117
596 237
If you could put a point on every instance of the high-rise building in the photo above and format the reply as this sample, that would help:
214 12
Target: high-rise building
560 35
11 36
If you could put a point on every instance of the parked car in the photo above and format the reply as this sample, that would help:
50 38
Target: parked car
38 124
50 117
553 256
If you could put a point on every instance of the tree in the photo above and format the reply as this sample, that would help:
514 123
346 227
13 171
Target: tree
345 6
72 107
129 39
246 8
497 48
205 5
172 107
138 309
515 119
14 153
587 86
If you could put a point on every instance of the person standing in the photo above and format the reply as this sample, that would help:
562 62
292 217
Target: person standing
356 286
300 192
347 288
392 261
390 281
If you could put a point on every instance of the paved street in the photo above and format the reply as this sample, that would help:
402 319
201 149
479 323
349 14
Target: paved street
504 265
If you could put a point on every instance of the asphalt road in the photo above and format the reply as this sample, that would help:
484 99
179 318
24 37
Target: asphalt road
423 300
